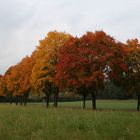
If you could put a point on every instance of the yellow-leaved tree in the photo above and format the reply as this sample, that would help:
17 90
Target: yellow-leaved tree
44 70
17 80
133 62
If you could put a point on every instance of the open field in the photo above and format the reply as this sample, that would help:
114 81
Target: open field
104 104
114 120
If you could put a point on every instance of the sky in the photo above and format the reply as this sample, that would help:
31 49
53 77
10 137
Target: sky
24 22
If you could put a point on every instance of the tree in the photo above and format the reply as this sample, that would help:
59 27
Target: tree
11 82
2 87
79 68
85 62
17 79
44 71
25 71
133 75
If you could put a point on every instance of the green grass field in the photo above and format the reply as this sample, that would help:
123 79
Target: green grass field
113 120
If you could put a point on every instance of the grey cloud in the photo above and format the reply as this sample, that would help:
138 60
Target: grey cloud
24 22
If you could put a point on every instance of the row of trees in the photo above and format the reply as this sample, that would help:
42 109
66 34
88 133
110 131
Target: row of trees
83 65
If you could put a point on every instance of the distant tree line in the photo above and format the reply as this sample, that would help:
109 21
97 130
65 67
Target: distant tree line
94 65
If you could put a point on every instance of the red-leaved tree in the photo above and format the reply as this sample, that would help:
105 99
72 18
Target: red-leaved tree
85 62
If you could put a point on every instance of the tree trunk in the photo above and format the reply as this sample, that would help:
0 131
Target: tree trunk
93 100
11 99
16 100
56 98
26 98
138 103
47 100
21 100
84 100
25 101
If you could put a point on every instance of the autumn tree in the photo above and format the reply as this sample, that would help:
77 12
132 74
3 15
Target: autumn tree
44 71
133 62
79 68
2 87
17 79
25 71
85 62
11 82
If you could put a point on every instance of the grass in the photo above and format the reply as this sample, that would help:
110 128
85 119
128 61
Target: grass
104 104
35 122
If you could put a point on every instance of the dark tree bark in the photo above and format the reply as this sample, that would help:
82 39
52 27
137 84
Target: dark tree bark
138 103
56 93
26 95
47 100
47 92
93 95
84 100
11 99
16 100
21 100
84 92
25 101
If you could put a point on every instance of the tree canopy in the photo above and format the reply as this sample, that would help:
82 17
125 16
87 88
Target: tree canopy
83 65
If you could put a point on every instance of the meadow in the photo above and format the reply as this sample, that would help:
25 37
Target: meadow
113 120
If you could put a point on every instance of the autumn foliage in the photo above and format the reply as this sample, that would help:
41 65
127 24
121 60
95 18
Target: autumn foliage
17 78
2 86
133 62
46 57
85 62
83 65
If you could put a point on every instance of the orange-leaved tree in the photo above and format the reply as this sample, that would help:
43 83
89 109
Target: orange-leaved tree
44 70
11 81
25 71
133 74
17 79
3 90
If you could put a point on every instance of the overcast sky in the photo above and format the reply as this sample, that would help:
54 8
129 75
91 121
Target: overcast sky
24 22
